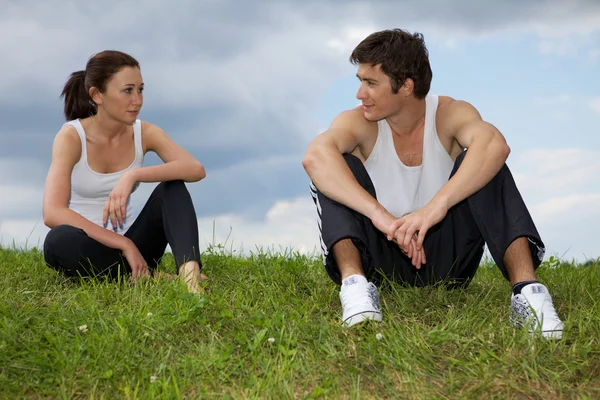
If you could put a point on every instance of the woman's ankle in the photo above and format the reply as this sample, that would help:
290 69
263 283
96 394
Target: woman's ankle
191 275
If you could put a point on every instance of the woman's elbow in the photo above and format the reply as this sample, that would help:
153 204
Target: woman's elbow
200 171
47 216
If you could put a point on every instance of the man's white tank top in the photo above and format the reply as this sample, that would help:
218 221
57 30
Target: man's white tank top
402 189
90 189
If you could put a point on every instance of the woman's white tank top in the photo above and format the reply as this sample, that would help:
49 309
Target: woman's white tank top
90 189
402 189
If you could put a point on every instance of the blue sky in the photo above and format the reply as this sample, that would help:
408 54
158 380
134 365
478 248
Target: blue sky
246 86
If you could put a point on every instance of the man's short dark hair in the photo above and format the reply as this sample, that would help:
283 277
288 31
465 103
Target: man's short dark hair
401 55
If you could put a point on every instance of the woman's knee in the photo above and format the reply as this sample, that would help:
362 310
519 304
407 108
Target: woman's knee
175 187
60 234
57 242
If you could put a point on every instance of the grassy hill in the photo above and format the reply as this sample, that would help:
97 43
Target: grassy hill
268 327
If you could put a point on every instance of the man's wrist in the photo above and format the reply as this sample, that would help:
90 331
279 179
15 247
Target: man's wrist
442 201
375 209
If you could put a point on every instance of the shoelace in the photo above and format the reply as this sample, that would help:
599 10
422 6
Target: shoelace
350 292
548 307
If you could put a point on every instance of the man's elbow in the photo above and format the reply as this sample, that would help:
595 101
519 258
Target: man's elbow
309 160
503 148
497 145
506 150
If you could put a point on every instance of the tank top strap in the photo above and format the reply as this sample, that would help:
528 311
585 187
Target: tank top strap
431 105
137 138
76 123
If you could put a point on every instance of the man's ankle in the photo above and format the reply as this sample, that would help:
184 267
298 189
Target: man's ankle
517 287
354 278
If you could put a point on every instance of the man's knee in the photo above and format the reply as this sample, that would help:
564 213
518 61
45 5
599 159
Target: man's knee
353 162
360 172
458 162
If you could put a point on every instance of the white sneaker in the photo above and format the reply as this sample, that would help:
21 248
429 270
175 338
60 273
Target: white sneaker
360 300
533 308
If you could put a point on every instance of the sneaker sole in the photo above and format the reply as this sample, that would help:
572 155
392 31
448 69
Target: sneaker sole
357 318
552 334
557 334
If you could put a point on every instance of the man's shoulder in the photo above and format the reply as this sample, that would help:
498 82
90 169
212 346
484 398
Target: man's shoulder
449 106
354 120
452 112
355 114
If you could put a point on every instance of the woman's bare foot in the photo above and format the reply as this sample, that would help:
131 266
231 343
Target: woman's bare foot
191 275
164 275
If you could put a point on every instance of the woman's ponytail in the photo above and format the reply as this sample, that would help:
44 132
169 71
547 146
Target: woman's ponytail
77 99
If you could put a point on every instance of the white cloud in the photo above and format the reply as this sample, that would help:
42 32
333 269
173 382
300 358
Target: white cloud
575 206
568 225
19 199
270 62
544 172
287 225
559 18
206 53
594 104
561 47
23 234
348 39
565 223
561 188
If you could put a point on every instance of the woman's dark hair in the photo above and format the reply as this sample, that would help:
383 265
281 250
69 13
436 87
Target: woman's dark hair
99 70
401 55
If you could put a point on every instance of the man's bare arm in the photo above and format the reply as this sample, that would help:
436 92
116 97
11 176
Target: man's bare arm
487 151
329 172
325 165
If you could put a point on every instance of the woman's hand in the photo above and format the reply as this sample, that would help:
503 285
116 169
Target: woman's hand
115 208
136 261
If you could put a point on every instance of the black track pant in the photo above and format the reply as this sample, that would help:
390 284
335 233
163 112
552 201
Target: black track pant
168 217
495 215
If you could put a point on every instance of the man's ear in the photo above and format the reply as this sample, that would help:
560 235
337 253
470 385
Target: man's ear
408 87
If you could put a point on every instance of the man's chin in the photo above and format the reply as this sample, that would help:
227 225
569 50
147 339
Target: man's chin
370 117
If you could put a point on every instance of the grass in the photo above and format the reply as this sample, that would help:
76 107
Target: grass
267 327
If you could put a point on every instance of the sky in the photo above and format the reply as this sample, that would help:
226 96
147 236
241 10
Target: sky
245 87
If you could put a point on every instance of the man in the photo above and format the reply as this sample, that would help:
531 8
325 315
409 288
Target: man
399 197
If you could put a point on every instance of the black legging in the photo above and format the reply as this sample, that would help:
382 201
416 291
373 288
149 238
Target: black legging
167 218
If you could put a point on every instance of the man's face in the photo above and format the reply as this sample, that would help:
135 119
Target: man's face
375 93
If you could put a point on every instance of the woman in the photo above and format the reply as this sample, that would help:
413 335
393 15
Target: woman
97 162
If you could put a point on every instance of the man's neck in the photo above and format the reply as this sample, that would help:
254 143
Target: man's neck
409 119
